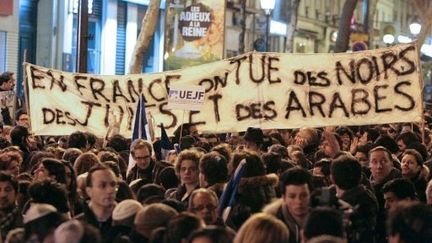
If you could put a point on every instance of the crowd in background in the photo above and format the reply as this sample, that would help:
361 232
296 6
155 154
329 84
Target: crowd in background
333 184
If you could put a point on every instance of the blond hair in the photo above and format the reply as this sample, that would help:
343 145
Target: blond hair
262 227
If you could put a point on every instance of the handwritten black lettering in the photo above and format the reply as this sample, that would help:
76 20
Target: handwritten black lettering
269 110
71 121
377 70
78 85
271 68
379 97
168 79
60 82
35 76
152 92
117 92
411 64
192 121
369 70
237 61
316 100
163 110
340 68
251 69
360 98
48 115
90 106
389 59
242 112
337 103
397 90
132 91
97 86
293 105
215 98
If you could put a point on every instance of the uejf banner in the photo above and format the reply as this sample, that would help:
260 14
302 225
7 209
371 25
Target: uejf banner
194 32
186 97
267 90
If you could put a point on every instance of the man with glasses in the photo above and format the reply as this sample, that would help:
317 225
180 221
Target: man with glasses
203 203
145 167
101 188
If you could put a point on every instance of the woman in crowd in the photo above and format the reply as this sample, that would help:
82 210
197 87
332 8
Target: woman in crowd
262 228
212 234
10 162
51 169
84 162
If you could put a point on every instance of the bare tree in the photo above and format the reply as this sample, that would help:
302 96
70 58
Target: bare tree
344 31
424 10
292 25
242 26
148 26
372 10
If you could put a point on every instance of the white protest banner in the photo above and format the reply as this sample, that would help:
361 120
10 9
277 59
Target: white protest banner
267 90
186 97
7 99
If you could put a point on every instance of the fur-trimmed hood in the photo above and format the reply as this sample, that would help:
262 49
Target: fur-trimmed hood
273 207
248 183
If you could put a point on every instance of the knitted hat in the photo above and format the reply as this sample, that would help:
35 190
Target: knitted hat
38 210
70 231
126 209
153 216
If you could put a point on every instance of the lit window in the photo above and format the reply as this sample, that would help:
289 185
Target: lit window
76 4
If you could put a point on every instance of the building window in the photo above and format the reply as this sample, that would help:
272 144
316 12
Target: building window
2 51
93 39
76 5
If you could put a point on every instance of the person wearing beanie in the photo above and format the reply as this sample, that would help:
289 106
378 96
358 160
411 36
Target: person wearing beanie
149 218
124 216
40 221
73 231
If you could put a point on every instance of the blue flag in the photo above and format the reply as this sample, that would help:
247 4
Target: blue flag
229 194
165 143
139 131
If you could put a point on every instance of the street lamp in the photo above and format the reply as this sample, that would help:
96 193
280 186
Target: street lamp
415 27
267 6
388 39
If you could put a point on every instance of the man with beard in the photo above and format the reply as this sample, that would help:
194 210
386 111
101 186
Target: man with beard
10 216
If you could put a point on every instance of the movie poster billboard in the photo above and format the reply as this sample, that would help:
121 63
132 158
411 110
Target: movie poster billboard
194 32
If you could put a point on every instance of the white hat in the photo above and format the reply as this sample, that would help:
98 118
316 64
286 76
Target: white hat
38 210
125 209
69 232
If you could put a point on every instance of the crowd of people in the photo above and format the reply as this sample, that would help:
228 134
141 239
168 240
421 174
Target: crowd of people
332 184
